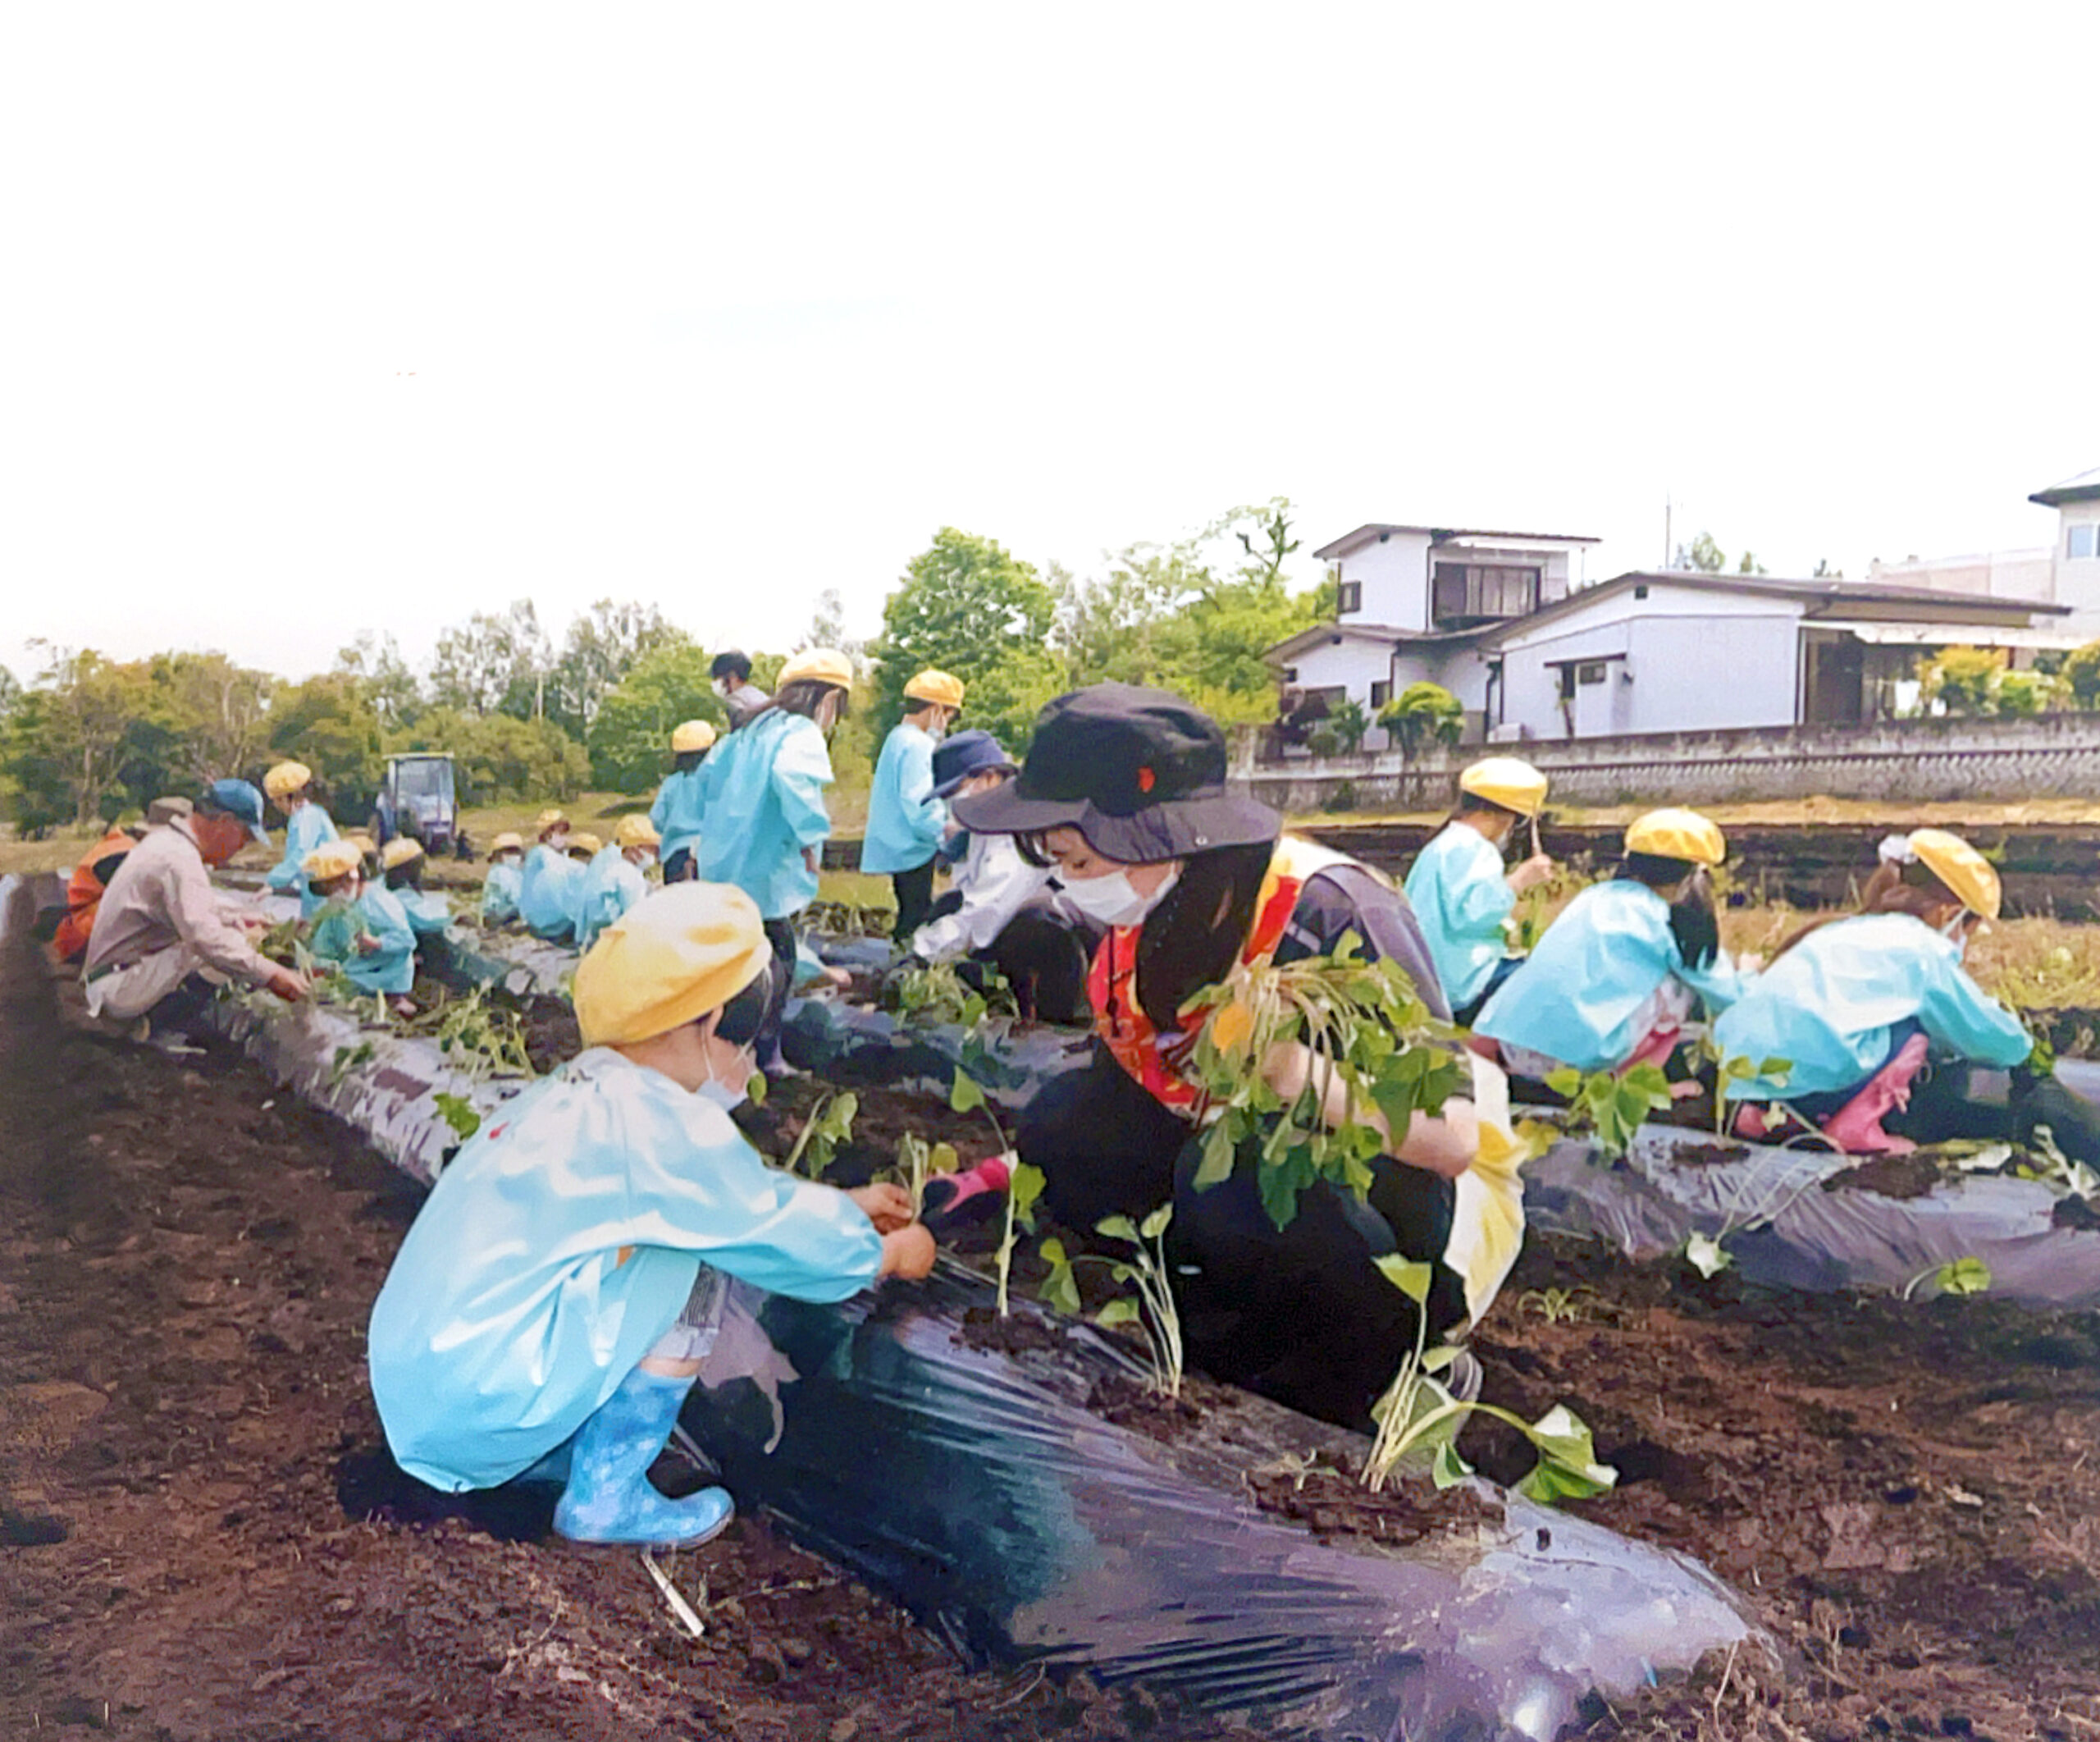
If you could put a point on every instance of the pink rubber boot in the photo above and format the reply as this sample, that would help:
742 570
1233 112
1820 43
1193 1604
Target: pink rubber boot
1855 1127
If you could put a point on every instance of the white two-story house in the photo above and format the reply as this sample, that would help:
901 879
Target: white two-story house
1411 604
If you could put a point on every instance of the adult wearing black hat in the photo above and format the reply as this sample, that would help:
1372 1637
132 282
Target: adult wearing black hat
1123 797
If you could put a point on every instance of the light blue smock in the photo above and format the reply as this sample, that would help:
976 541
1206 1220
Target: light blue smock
612 884
1461 895
305 829
906 821
546 893
676 814
1828 1005
508 1318
763 797
499 892
429 913
391 969
1579 994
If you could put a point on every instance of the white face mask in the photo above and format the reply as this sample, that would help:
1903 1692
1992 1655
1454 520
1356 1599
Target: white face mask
721 686
1955 932
729 1094
1114 900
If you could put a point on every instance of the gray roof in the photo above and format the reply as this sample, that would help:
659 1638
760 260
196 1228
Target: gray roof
1348 541
2085 487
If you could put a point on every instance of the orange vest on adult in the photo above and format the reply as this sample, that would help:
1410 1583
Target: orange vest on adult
1112 985
84 892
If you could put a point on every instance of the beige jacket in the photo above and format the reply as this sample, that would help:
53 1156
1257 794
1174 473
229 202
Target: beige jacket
161 896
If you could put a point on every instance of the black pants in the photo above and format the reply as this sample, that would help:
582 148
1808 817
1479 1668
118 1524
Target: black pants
680 868
915 899
780 933
1300 1313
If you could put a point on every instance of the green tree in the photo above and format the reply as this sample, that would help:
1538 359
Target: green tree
1961 680
329 724
391 684
1702 556
493 662
1750 565
72 744
827 630
2081 672
1422 713
630 739
2026 694
968 605
601 646
499 757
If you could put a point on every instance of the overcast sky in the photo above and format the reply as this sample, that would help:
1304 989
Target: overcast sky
331 319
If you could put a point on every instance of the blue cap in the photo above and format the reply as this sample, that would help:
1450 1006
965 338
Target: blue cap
238 798
956 758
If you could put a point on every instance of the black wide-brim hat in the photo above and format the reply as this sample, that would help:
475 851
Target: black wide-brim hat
1139 772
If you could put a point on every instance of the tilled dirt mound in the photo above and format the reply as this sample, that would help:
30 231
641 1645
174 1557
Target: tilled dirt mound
200 1536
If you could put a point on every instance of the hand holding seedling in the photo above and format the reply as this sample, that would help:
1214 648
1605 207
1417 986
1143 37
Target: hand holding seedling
1531 873
908 1253
885 1203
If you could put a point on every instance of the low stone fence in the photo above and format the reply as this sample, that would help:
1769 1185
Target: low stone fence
1906 761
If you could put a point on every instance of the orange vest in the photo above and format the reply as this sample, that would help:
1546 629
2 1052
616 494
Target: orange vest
84 892
1153 1060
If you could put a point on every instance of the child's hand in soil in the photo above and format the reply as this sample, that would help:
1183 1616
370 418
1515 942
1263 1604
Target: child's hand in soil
885 1203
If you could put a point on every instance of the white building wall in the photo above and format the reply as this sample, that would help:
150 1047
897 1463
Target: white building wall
1681 659
2077 578
1353 665
1395 577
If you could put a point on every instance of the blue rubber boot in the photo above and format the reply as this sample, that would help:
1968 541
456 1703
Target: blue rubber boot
610 1498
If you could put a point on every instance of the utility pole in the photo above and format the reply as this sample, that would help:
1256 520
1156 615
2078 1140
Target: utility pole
1666 526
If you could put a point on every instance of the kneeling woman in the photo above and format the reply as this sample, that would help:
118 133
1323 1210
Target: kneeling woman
1123 792
556 1295
1612 980
1458 888
1856 1008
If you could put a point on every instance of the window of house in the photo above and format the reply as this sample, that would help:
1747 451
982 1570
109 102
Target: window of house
1464 593
1590 671
2082 540
1567 683
1381 694
1349 596
1290 674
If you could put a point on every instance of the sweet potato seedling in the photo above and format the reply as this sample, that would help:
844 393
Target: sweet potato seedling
1417 1415
1612 1104
829 1126
1333 1025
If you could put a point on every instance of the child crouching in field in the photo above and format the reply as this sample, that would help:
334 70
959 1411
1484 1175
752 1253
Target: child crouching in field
360 928
553 1300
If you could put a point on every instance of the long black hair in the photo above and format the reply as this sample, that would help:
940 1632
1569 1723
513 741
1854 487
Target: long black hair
1693 922
1195 934
741 1016
804 696
684 761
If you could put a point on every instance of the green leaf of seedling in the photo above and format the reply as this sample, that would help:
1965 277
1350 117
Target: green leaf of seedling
1122 1310
1449 1470
1436 1359
943 1158
1963 1276
1776 1070
458 1112
1155 1224
1219 1151
1566 1082
1568 1466
1707 1255
1024 1186
1117 1227
963 1094
1123 1272
755 1090
1411 1277
1053 1252
1061 1288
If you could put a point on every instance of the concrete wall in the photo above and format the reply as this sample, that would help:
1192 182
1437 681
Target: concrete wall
1900 761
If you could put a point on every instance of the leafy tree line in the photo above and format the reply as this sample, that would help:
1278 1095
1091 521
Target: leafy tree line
526 716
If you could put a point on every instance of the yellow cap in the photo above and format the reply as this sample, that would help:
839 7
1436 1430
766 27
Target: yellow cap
331 859
1967 873
1508 781
550 818
510 841
365 843
936 687
695 734
583 841
1677 834
286 778
400 850
636 831
669 960
817 666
